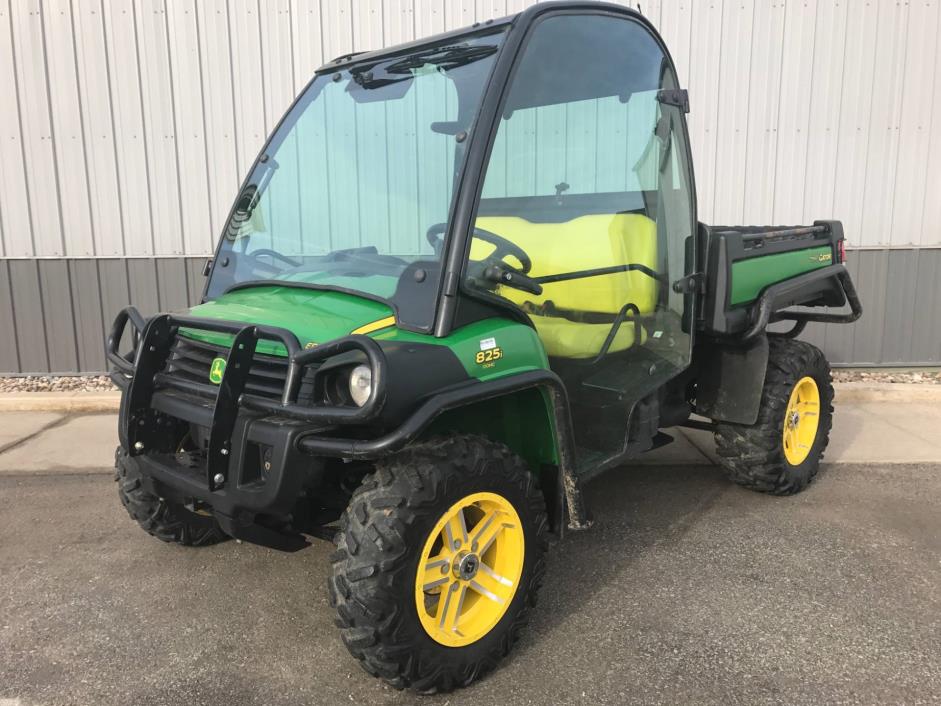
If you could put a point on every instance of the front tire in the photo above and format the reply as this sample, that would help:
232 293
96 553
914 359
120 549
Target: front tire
168 522
415 611
781 452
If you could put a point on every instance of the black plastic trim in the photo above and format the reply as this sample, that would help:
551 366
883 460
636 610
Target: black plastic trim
378 55
798 289
418 421
113 342
598 272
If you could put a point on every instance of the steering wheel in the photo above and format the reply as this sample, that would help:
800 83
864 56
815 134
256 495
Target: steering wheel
274 254
502 246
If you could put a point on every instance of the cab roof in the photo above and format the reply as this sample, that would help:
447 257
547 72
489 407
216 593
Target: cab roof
525 17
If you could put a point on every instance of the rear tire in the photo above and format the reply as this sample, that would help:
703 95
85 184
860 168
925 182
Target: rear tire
762 456
168 522
386 585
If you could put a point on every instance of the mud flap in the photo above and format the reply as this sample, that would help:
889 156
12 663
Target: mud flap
730 381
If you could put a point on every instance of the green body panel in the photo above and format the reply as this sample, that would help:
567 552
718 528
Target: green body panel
520 346
523 420
379 285
314 316
751 276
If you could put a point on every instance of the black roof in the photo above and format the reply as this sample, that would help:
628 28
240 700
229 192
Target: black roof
526 16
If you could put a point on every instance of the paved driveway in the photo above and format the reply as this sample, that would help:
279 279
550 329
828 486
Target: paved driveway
687 589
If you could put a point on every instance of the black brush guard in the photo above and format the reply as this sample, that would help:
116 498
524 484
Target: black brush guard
139 377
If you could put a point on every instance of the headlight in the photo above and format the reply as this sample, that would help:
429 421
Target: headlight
360 384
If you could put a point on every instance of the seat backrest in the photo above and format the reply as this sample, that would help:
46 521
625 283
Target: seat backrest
583 243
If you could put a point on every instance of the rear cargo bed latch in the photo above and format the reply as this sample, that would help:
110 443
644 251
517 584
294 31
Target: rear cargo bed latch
695 282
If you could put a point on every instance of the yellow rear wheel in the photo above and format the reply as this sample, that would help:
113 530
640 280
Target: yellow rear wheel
780 452
801 420
469 569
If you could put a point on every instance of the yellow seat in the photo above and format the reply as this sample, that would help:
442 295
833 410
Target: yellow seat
583 243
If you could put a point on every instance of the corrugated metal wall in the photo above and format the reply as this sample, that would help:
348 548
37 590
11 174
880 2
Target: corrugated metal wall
128 124
54 311
58 309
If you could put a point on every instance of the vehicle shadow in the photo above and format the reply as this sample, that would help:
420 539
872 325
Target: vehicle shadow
634 510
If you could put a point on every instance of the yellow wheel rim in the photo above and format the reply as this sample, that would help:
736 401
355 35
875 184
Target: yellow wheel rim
801 421
469 569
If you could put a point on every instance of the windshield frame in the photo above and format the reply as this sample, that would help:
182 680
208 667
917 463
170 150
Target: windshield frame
455 305
452 313
350 62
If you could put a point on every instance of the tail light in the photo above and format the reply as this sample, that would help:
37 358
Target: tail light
841 250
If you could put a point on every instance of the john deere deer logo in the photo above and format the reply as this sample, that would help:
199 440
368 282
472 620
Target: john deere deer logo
216 371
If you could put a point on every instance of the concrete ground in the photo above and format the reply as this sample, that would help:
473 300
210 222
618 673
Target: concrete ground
688 589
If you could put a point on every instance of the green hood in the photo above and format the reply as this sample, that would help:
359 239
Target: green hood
313 316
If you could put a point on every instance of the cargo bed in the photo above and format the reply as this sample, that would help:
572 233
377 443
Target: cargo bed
756 272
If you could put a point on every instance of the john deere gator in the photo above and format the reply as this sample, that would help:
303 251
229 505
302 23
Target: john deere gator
464 276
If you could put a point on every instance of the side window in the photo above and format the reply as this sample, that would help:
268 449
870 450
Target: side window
586 146
586 193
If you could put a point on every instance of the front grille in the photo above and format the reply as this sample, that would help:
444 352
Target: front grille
191 360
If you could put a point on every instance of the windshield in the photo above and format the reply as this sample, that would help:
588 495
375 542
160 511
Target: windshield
354 188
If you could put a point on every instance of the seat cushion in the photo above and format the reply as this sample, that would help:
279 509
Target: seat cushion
583 243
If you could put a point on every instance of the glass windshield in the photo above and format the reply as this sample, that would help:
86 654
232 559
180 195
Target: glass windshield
354 189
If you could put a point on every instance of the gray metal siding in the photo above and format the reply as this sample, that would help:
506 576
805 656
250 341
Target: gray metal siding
58 309
128 124
901 298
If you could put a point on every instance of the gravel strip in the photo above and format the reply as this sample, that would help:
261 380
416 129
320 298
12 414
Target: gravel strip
57 383
102 383
930 377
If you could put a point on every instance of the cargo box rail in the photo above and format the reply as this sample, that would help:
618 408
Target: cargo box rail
141 374
764 232
791 291
754 272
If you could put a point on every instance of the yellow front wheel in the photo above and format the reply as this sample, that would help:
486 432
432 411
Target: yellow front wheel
439 561
470 569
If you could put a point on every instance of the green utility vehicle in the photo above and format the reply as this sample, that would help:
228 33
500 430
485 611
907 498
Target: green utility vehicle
465 276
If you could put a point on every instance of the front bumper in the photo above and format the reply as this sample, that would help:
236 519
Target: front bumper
143 376
265 470
267 477
247 460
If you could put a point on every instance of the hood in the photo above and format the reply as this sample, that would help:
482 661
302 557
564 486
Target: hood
314 316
